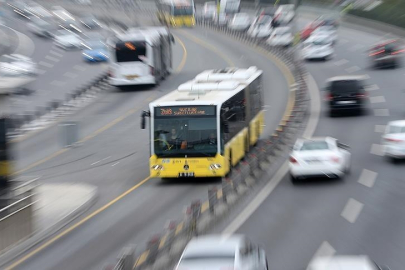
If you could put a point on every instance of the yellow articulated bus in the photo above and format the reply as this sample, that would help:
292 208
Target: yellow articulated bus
176 13
207 125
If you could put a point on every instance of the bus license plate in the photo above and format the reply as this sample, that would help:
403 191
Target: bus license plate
186 174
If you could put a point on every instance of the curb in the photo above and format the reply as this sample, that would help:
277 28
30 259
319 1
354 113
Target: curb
37 237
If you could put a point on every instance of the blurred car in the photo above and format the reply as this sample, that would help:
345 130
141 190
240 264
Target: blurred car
309 28
209 10
62 14
327 31
70 26
271 11
222 19
317 47
41 27
393 140
286 13
91 23
20 8
346 93
67 40
17 65
328 20
95 51
281 36
39 11
387 53
344 263
319 157
261 27
240 22
215 253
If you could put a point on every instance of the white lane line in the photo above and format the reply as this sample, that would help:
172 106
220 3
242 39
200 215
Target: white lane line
25 45
341 62
115 164
377 149
352 210
381 112
379 128
57 83
45 64
367 178
315 106
325 251
372 87
41 71
53 59
80 68
352 69
55 53
377 99
70 75
100 160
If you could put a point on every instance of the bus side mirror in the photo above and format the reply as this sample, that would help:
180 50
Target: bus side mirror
143 120
225 126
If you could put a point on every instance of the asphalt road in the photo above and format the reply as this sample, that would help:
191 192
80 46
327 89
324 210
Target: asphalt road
117 158
360 214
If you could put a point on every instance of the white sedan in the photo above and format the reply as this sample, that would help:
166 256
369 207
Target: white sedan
239 22
281 36
317 47
261 27
327 31
344 263
319 157
67 40
216 253
17 65
393 140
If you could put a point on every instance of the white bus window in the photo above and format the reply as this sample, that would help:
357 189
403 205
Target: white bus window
130 51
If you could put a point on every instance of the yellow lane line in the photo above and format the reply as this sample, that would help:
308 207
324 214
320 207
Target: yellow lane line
163 241
87 218
179 228
183 60
205 206
141 259
208 46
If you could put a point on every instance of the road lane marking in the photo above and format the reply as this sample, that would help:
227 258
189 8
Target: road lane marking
325 251
352 69
379 128
352 210
94 163
70 75
184 58
276 179
367 178
55 53
79 68
372 87
377 149
381 112
57 49
208 46
115 164
53 59
76 225
341 62
45 64
57 83
377 99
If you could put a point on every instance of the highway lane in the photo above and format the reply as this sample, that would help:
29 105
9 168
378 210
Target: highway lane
143 212
360 214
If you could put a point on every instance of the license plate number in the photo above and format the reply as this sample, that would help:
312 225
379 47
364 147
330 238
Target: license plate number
346 102
186 174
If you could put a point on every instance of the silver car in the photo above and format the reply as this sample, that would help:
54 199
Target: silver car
214 252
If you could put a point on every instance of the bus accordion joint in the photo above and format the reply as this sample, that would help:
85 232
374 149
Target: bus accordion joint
143 116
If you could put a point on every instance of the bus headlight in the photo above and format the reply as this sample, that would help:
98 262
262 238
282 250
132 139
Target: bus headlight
157 167
215 166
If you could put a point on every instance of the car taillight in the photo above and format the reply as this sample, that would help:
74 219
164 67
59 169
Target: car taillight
361 95
293 160
376 53
329 97
393 140
335 159
152 70
397 52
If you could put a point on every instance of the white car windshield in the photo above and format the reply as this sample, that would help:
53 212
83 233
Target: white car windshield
396 129
314 145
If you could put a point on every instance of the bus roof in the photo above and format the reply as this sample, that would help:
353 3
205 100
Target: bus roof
208 92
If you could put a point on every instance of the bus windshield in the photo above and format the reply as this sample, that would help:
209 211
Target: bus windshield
179 136
183 10
130 51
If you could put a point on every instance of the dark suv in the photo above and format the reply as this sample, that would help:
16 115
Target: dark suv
386 54
346 93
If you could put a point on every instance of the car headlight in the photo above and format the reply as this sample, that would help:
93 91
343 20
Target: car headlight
157 167
215 166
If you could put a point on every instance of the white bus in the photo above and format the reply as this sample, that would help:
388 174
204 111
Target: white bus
140 56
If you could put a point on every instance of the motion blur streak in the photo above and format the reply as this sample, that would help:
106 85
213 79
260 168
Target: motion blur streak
65 232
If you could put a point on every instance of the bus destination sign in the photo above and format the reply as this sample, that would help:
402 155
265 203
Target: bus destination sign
185 111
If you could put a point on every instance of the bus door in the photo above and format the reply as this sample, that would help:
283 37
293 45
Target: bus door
132 58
